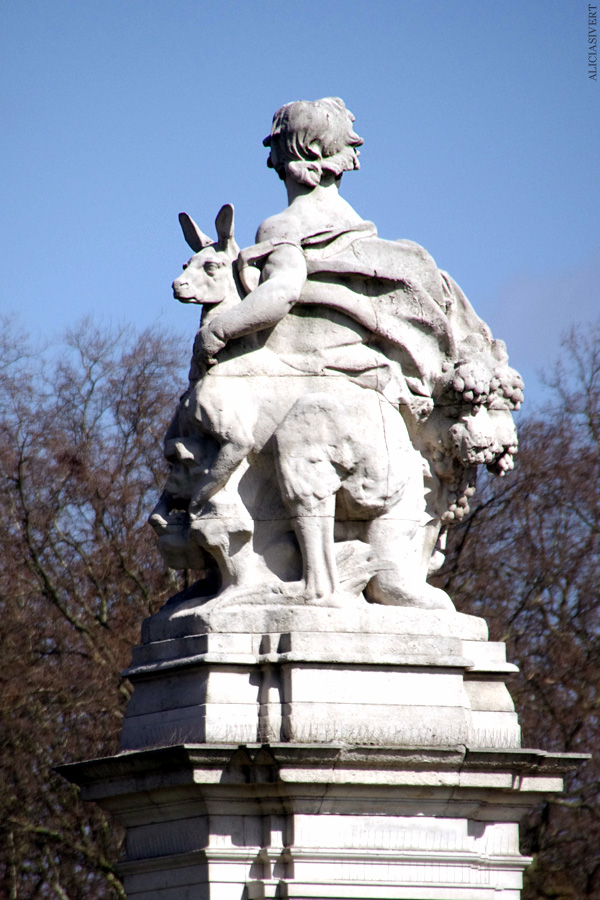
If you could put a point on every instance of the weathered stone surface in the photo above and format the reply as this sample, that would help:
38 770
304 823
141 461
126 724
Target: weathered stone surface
342 394
397 676
316 821
362 618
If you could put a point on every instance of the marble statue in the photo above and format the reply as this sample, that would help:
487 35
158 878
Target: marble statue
342 394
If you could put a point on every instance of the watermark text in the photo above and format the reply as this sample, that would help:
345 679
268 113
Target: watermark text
593 42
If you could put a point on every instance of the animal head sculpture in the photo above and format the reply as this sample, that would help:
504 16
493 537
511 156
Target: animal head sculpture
208 276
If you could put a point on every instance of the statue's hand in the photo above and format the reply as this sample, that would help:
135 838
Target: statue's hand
207 344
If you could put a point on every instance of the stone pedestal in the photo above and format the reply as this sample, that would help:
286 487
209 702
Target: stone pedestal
320 821
321 753
375 675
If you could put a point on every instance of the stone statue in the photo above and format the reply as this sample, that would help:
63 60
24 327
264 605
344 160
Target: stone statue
342 394
311 718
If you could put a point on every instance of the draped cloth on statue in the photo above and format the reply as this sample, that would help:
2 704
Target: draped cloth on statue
416 316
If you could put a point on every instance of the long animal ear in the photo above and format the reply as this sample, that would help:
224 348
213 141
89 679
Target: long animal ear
224 223
194 237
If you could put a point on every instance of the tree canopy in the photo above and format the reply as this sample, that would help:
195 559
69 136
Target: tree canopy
80 465
528 560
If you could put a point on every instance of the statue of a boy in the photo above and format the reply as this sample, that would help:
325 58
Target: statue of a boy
353 364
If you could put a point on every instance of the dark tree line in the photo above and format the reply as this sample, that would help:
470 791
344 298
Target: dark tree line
81 466
528 560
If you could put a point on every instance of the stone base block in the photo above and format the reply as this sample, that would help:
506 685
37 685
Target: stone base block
321 754
309 821
431 679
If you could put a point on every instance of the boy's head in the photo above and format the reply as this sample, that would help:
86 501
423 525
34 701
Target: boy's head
310 138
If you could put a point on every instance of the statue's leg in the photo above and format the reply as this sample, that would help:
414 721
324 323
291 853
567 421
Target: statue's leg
314 529
305 443
403 539
406 546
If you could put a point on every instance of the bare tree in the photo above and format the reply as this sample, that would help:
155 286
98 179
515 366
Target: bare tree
81 464
528 559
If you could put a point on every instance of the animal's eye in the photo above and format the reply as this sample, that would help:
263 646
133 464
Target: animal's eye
210 268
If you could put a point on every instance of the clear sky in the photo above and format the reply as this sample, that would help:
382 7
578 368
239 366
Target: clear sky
481 129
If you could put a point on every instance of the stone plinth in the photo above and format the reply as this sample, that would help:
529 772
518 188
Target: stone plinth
372 675
316 821
320 753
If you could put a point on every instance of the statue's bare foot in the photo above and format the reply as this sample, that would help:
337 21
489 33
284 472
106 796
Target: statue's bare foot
434 598
389 590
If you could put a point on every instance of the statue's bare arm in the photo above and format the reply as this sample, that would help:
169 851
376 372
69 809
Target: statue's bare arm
283 277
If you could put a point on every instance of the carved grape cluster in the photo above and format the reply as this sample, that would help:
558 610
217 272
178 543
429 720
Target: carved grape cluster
458 504
475 384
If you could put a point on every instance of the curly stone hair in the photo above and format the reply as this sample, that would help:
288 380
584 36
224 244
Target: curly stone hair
309 138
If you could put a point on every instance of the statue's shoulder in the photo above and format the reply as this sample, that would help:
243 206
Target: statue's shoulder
279 228
412 249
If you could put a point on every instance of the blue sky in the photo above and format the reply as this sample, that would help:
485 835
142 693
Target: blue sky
481 134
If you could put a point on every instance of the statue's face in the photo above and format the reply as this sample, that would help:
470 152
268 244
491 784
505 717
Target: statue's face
190 457
206 278
484 436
